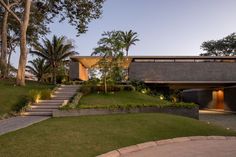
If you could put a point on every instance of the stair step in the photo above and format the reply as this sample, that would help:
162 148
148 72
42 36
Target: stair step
48 103
61 98
63 95
69 86
36 114
40 110
51 101
44 107
66 93
67 90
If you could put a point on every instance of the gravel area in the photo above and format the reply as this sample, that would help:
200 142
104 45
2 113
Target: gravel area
227 120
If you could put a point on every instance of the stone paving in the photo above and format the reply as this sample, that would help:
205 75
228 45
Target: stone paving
15 123
195 146
226 120
204 148
60 97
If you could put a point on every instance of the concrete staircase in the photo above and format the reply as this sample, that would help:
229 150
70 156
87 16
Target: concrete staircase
45 107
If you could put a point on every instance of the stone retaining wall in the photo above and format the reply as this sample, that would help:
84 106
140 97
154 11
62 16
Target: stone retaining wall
187 112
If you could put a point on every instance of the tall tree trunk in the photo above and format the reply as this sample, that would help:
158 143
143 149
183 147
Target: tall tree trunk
105 83
9 61
4 44
20 79
54 77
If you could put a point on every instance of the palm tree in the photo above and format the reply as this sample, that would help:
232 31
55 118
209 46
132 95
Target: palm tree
39 67
55 52
129 38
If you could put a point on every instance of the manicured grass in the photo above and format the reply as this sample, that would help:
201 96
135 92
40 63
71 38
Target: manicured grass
124 99
89 136
11 95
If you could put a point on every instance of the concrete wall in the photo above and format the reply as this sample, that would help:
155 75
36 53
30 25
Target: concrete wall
182 71
230 98
74 70
78 71
83 73
202 97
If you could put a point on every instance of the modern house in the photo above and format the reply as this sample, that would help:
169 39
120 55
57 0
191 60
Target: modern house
207 81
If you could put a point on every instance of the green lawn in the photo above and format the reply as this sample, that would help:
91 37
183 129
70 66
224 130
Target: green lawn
89 136
123 99
11 95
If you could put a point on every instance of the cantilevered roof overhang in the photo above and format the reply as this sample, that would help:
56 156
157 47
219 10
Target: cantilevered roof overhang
91 61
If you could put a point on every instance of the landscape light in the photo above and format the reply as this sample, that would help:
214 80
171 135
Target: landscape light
37 98
162 97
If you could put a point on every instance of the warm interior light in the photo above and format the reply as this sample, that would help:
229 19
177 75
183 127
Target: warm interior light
218 99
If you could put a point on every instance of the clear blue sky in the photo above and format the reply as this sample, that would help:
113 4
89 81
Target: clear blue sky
165 27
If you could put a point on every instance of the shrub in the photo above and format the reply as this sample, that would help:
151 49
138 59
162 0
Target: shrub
34 95
139 85
86 89
21 104
74 102
45 94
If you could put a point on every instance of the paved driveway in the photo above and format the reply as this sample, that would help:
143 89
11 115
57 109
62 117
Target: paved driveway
15 123
204 148
227 120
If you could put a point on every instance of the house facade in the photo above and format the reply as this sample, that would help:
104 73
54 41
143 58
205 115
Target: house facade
207 81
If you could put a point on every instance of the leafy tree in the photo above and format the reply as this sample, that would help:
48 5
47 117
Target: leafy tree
110 47
55 52
221 47
129 38
79 14
38 67
23 24
4 35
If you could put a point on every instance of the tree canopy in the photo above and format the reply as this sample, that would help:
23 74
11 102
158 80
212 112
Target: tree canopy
39 13
112 47
38 67
129 38
55 52
222 47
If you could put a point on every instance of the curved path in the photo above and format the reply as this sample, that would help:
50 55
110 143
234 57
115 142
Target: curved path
198 146
15 123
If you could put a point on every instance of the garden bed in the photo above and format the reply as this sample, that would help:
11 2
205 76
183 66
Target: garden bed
124 102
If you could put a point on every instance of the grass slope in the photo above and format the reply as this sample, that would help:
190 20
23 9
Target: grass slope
123 99
89 136
10 94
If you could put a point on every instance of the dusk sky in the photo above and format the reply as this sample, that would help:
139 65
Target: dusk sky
165 27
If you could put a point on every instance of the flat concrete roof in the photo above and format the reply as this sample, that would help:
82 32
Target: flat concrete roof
90 61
